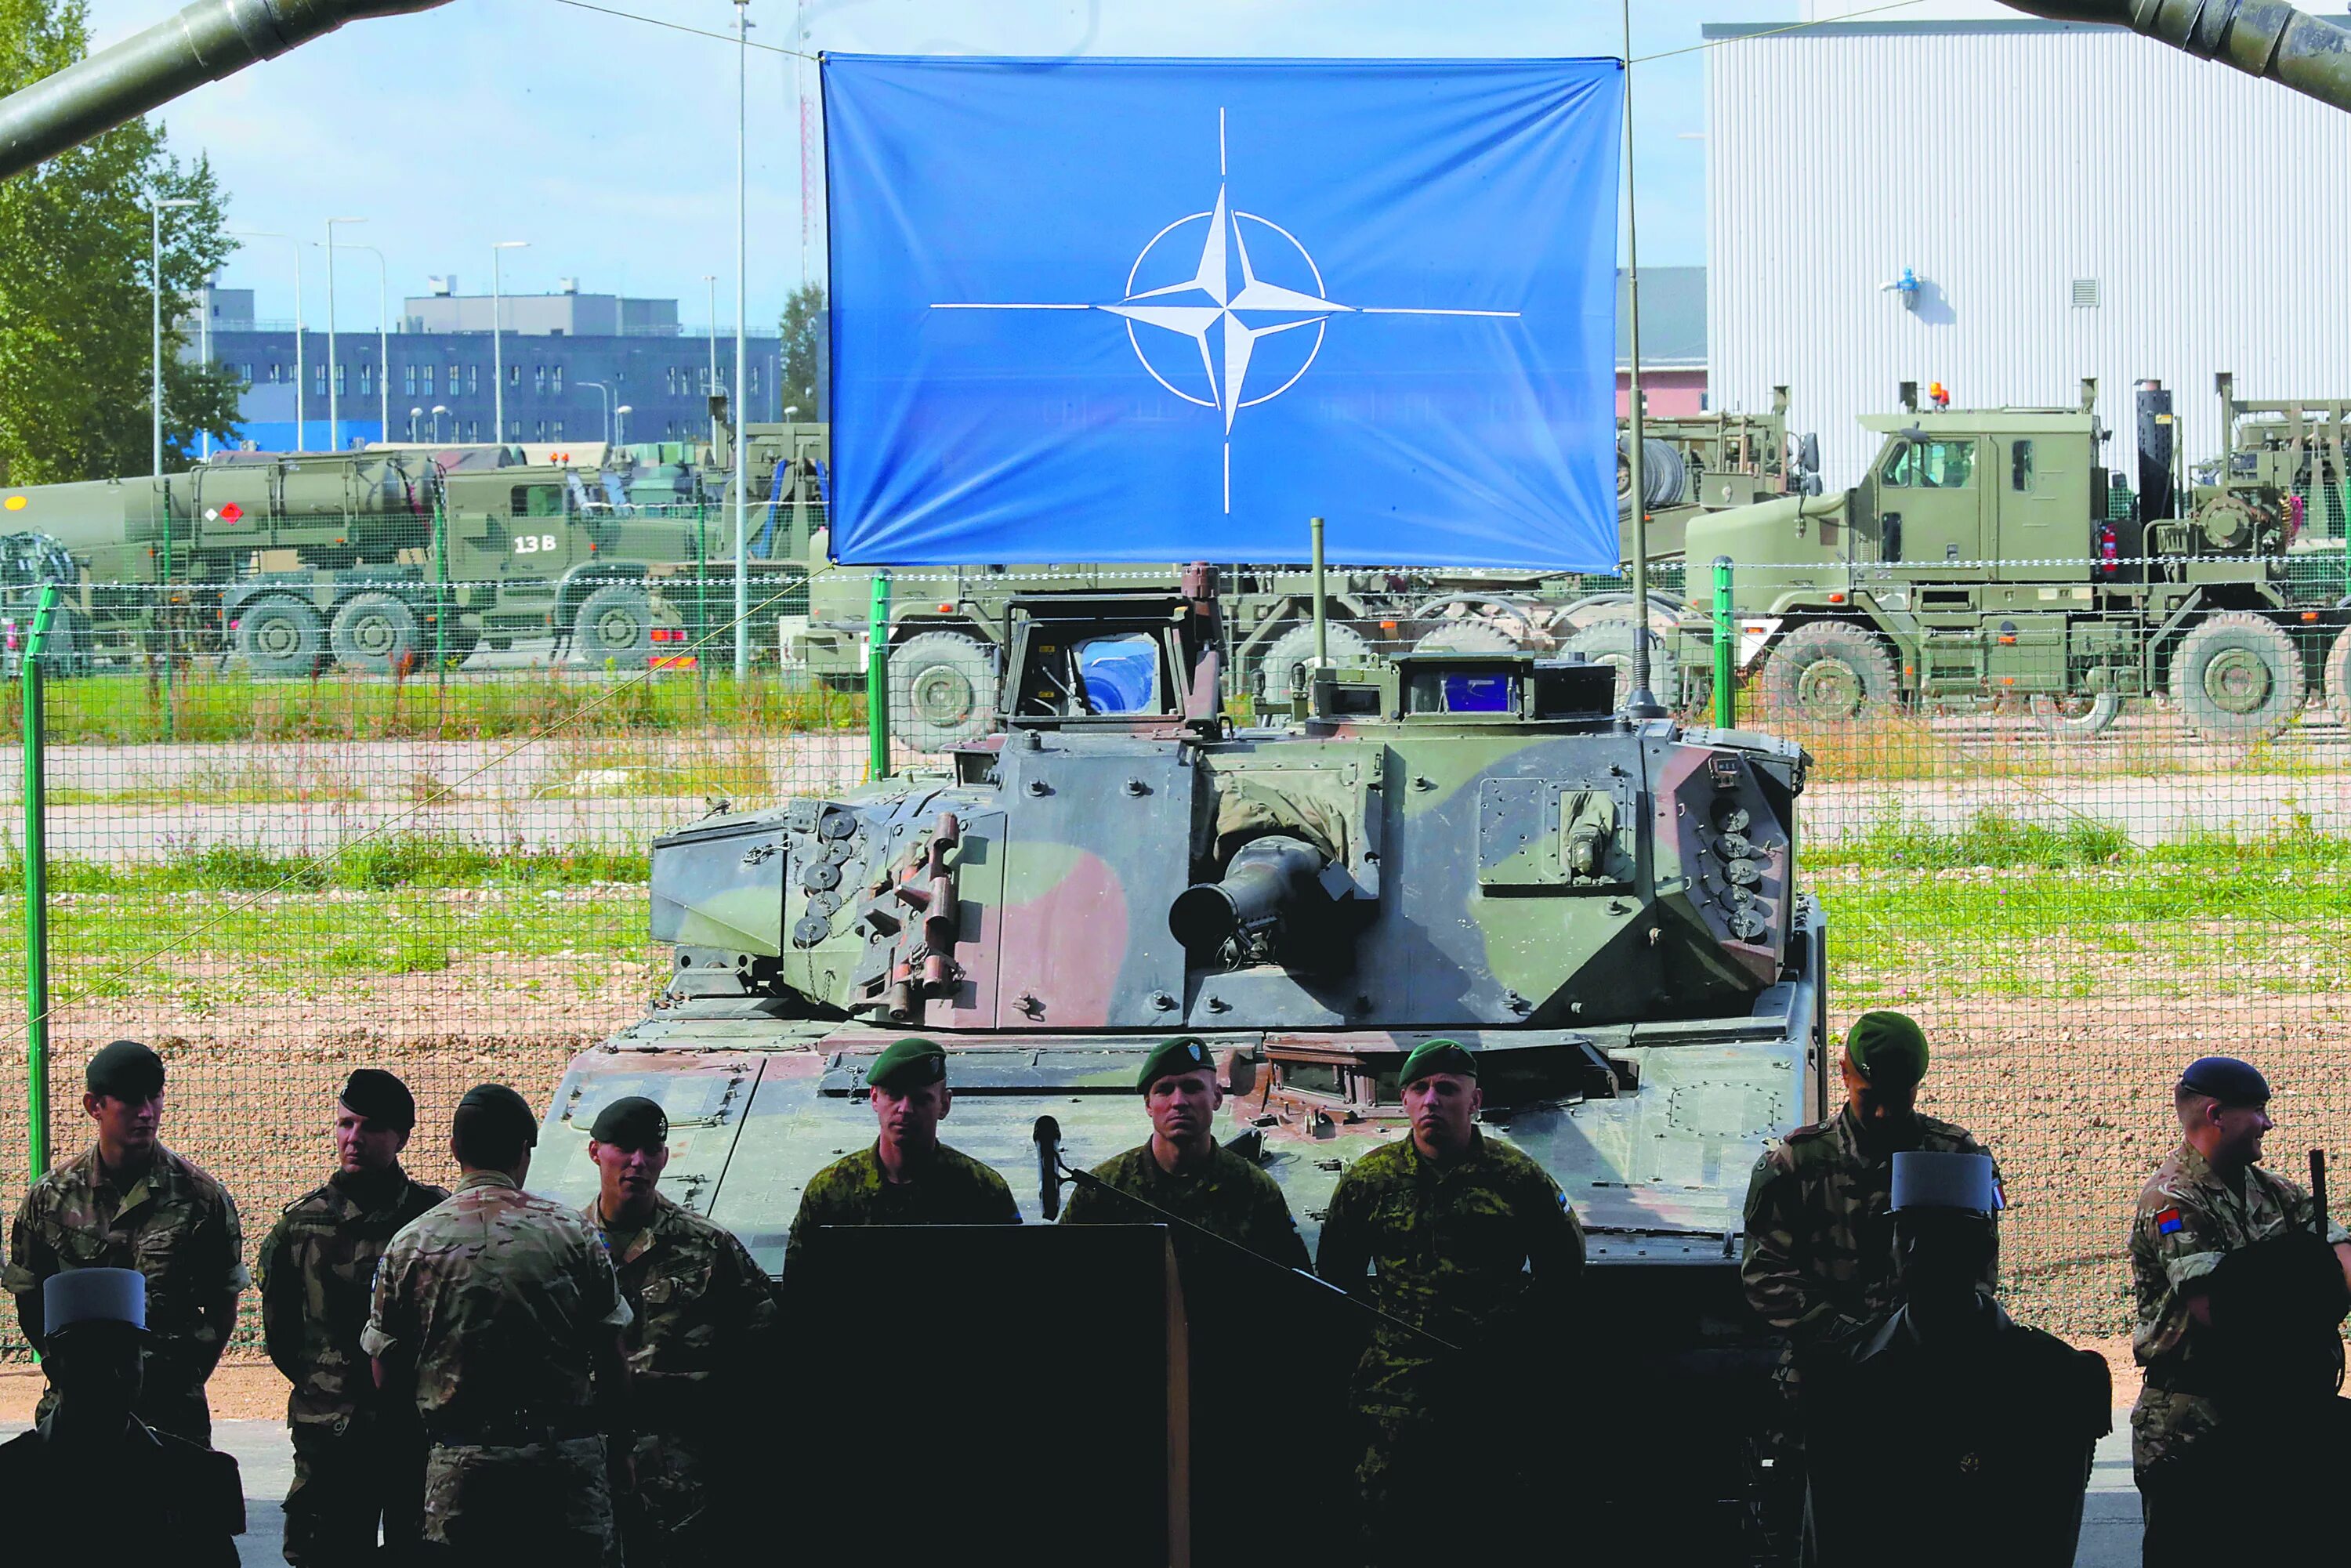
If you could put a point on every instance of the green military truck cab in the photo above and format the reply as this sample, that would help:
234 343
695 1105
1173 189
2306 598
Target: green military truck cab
1990 554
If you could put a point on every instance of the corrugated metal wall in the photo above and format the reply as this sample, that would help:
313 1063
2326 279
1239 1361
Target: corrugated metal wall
2002 162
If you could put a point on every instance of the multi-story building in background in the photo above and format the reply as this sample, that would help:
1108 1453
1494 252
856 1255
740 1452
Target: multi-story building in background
572 362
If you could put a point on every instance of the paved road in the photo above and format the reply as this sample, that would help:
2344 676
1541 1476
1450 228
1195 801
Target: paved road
2109 1524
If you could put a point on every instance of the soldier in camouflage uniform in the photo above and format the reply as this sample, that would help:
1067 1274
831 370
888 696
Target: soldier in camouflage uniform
131 1203
705 1331
498 1314
357 1464
907 1176
2209 1200
1183 1171
1819 1238
1475 1247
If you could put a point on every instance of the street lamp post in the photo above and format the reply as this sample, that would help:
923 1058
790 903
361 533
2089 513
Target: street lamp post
297 245
742 414
497 360
621 424
710 281
438 409
334 366
204 337
604 422
413 415
382 342
156 278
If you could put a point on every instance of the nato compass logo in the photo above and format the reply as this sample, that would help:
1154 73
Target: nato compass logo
1248 333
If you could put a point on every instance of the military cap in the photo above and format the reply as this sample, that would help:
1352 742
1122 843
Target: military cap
2227 1080
908 1063
125 1069
93 1296
1437 1056
498 1100
372 1093
1926 1178
1888 1049
1184 1053
632 1121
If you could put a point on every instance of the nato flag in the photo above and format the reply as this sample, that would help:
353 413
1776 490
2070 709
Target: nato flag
1168 310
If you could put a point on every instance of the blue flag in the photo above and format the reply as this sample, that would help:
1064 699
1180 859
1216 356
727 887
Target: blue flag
1168 310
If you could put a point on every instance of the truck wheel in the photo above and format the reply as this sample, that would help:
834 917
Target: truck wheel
616 622
2339 676
281 637
1466 637
2236 678
2077 716
942 690
1294 649
1828 672
1609 643
376 632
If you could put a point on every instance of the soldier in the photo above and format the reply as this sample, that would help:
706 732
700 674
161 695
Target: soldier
131 1203
2209 1210
1820 1240
705 1323
1475 1248
1943 1407
1182 1170
498 1315
908 1176
357 1464
175 1502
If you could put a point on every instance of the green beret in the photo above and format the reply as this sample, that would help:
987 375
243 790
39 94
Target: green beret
380 1097
1437 1056
125 1069
1887 1048
632 1121
1184 1053
908 1065
501 1104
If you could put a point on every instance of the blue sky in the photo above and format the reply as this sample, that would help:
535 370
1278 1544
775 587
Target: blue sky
609 144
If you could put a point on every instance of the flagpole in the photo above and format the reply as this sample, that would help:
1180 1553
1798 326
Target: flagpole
1641 704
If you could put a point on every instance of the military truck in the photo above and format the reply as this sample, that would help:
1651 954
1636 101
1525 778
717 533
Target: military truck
1465 843
1991 555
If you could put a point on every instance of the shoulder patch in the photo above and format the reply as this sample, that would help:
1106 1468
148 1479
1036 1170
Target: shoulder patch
2168 1221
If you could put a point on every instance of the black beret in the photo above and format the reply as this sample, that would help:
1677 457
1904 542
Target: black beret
908 1063
1437 1056
1184 1053
497 1101
632 1121
125 1069
372 1093
2227 1080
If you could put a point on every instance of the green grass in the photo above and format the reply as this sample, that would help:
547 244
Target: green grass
389 862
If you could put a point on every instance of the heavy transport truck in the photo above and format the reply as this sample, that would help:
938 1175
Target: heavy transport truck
1989 555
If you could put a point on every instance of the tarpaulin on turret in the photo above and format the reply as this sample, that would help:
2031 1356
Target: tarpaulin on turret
1147 310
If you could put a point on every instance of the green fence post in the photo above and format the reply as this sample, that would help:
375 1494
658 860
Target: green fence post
37 902
1726 630
441 590
877 680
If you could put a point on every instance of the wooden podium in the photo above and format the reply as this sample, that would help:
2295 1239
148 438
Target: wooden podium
999 1394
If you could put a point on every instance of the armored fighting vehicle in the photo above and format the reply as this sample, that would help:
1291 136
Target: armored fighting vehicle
1465 843
1990 554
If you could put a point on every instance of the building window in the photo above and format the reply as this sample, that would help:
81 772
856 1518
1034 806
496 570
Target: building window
514 375
538 377
559 386
754 381
452 381
277 375
540 430
367 379
245 372
474 430
318 380
338 379
428 381
558 430
473 378
408 380
673 381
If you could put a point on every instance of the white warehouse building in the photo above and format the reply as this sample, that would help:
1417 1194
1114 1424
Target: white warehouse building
2070 200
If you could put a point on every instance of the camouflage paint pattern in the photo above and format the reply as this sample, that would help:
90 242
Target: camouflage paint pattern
954 1189
1229 1197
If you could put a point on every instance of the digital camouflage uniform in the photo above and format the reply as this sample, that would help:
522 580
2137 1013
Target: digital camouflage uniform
705 1323
2188 1219
355 1463
953 1189
1452 1246
1819 1238
497 1305
176 1226
1228 1196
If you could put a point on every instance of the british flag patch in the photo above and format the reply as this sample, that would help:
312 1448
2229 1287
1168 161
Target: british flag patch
2168 1221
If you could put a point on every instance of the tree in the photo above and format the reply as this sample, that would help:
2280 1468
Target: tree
75 387
806 352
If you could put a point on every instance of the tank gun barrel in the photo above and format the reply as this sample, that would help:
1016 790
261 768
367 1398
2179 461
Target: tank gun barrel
2260 38
205 42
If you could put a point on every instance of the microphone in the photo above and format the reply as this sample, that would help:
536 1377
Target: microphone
1048 1134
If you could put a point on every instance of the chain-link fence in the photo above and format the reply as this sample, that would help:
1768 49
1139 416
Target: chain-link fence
2087 822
